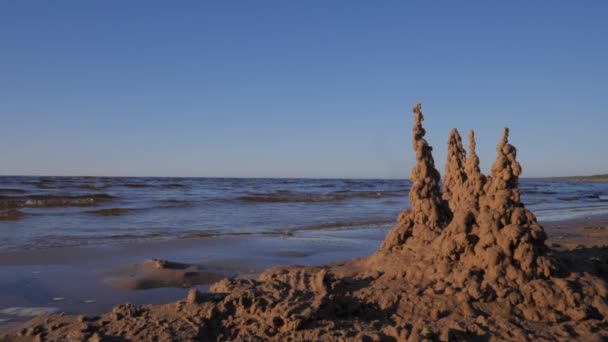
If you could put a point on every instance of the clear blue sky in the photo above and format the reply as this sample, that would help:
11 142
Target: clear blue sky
297 88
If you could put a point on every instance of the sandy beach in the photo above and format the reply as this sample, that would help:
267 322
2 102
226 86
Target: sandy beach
92 280
467 261
82 276
79 275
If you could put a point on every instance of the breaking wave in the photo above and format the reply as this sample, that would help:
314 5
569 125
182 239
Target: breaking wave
110 211
285 196
47 201
11 215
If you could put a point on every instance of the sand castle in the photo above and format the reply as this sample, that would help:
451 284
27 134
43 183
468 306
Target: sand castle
467 261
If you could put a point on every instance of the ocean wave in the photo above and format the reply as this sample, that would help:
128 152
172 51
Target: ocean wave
175 204
92 186
47 201
552 214
208 234
11 215
136 185
336 225
173 186
65 240
539 192
48 186
12 191
578 198
136 236
28 311
66 183
285 196
110 211
342 224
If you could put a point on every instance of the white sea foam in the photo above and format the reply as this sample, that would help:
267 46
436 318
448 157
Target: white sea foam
28 311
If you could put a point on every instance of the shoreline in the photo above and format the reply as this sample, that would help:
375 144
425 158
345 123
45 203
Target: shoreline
33 278
80 275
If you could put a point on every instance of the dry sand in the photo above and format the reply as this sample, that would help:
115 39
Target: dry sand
467 262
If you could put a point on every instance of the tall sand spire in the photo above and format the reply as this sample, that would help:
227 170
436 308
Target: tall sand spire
505 226
488 227
475 179
428 207
455 174
492 248
502 190
429 212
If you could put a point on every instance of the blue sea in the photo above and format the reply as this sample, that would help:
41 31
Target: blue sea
42 212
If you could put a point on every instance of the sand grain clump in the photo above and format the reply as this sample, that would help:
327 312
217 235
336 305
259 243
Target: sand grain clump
466 262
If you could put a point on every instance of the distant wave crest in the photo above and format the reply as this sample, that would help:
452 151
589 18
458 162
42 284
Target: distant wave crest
301 197
11 215
47 201
110 211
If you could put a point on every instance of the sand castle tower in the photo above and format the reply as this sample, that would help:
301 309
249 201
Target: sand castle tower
455 174
429 212
475 179
475 225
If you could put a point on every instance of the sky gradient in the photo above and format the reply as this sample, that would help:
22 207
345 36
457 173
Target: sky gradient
297 89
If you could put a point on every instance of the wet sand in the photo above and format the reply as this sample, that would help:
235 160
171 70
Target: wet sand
587 231
88 280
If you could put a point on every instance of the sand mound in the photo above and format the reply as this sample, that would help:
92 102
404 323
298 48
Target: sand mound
155 273
466 262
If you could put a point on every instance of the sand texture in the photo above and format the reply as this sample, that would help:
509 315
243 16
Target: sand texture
467 262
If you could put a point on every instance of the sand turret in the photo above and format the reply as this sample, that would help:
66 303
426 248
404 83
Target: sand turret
428 207
492 249
505 226
429 212
475 179
502 193
455 174
487 227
